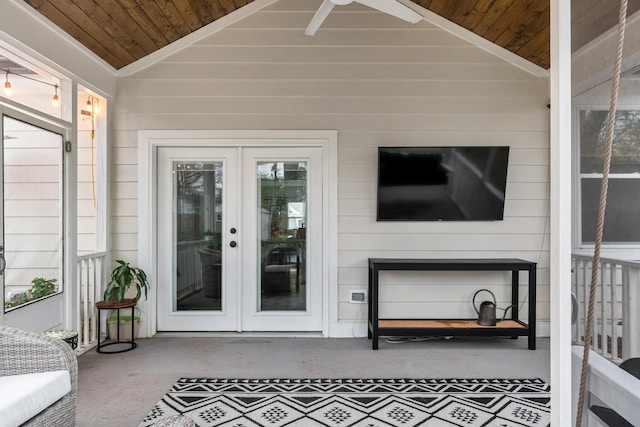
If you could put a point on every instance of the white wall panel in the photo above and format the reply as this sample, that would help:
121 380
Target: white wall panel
380 54
26 173
32 224
126 224
125 155
34 243
125 208
32 191
364 224
424 35
87 225
124 242
124 190
131 91
354 276
334 104
126 172
33 206
379 82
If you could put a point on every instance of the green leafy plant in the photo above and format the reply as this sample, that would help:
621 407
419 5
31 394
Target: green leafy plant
124 277
214 239
40 287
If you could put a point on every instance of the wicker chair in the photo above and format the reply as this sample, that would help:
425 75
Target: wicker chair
24 352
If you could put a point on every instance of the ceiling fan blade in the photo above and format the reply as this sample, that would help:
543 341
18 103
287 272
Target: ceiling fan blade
394 8
319 17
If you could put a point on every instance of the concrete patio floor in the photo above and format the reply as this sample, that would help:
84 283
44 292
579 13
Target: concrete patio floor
120 389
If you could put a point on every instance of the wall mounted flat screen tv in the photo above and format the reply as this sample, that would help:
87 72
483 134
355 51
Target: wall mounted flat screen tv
441 183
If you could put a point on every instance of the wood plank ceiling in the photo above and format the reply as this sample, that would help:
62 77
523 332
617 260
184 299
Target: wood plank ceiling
123 31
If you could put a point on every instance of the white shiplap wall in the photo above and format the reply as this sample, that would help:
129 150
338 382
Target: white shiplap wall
378 81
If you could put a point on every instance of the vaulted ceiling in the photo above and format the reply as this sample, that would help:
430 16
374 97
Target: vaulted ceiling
123 31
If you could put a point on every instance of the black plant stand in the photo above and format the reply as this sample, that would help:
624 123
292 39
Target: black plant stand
117 306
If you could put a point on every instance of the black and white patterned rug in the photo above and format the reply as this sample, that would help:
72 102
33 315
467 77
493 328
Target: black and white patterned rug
356 402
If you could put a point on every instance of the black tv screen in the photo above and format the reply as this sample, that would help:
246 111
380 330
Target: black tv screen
441 183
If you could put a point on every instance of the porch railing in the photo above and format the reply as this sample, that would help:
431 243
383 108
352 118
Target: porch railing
189 277
91 279
617 308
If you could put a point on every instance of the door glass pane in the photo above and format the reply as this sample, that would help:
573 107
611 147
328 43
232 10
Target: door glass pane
198 226
32 197
282 201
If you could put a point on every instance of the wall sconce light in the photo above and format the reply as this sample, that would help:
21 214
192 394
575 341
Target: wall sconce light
7 86
56 100
92 107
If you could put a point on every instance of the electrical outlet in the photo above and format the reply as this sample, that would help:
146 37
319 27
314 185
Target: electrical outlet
357 296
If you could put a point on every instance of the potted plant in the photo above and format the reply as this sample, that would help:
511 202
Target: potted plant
123 277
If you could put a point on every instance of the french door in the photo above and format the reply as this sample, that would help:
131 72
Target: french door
239 238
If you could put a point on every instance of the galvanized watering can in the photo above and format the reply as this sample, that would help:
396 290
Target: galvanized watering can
487 311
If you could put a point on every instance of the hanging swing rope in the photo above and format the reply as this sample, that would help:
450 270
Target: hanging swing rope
601 210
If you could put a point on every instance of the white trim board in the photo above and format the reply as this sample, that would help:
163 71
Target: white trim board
560 214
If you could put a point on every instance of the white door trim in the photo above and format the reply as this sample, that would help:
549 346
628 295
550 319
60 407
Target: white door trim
148 143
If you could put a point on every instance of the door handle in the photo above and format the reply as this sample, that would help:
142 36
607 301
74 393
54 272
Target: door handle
233 244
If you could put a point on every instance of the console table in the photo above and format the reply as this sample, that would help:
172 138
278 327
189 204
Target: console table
452 327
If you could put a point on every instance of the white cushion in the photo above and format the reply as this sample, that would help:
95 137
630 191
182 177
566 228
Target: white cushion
24 396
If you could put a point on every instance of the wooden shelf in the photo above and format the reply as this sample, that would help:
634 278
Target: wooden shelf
447 323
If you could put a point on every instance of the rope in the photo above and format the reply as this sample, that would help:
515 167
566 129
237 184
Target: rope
601 211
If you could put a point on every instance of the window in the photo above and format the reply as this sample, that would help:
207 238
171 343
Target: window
621 226
32 213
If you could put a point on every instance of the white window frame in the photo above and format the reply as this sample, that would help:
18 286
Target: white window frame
578 244
52 311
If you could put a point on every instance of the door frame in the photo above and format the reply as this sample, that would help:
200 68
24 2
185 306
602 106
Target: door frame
148 143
